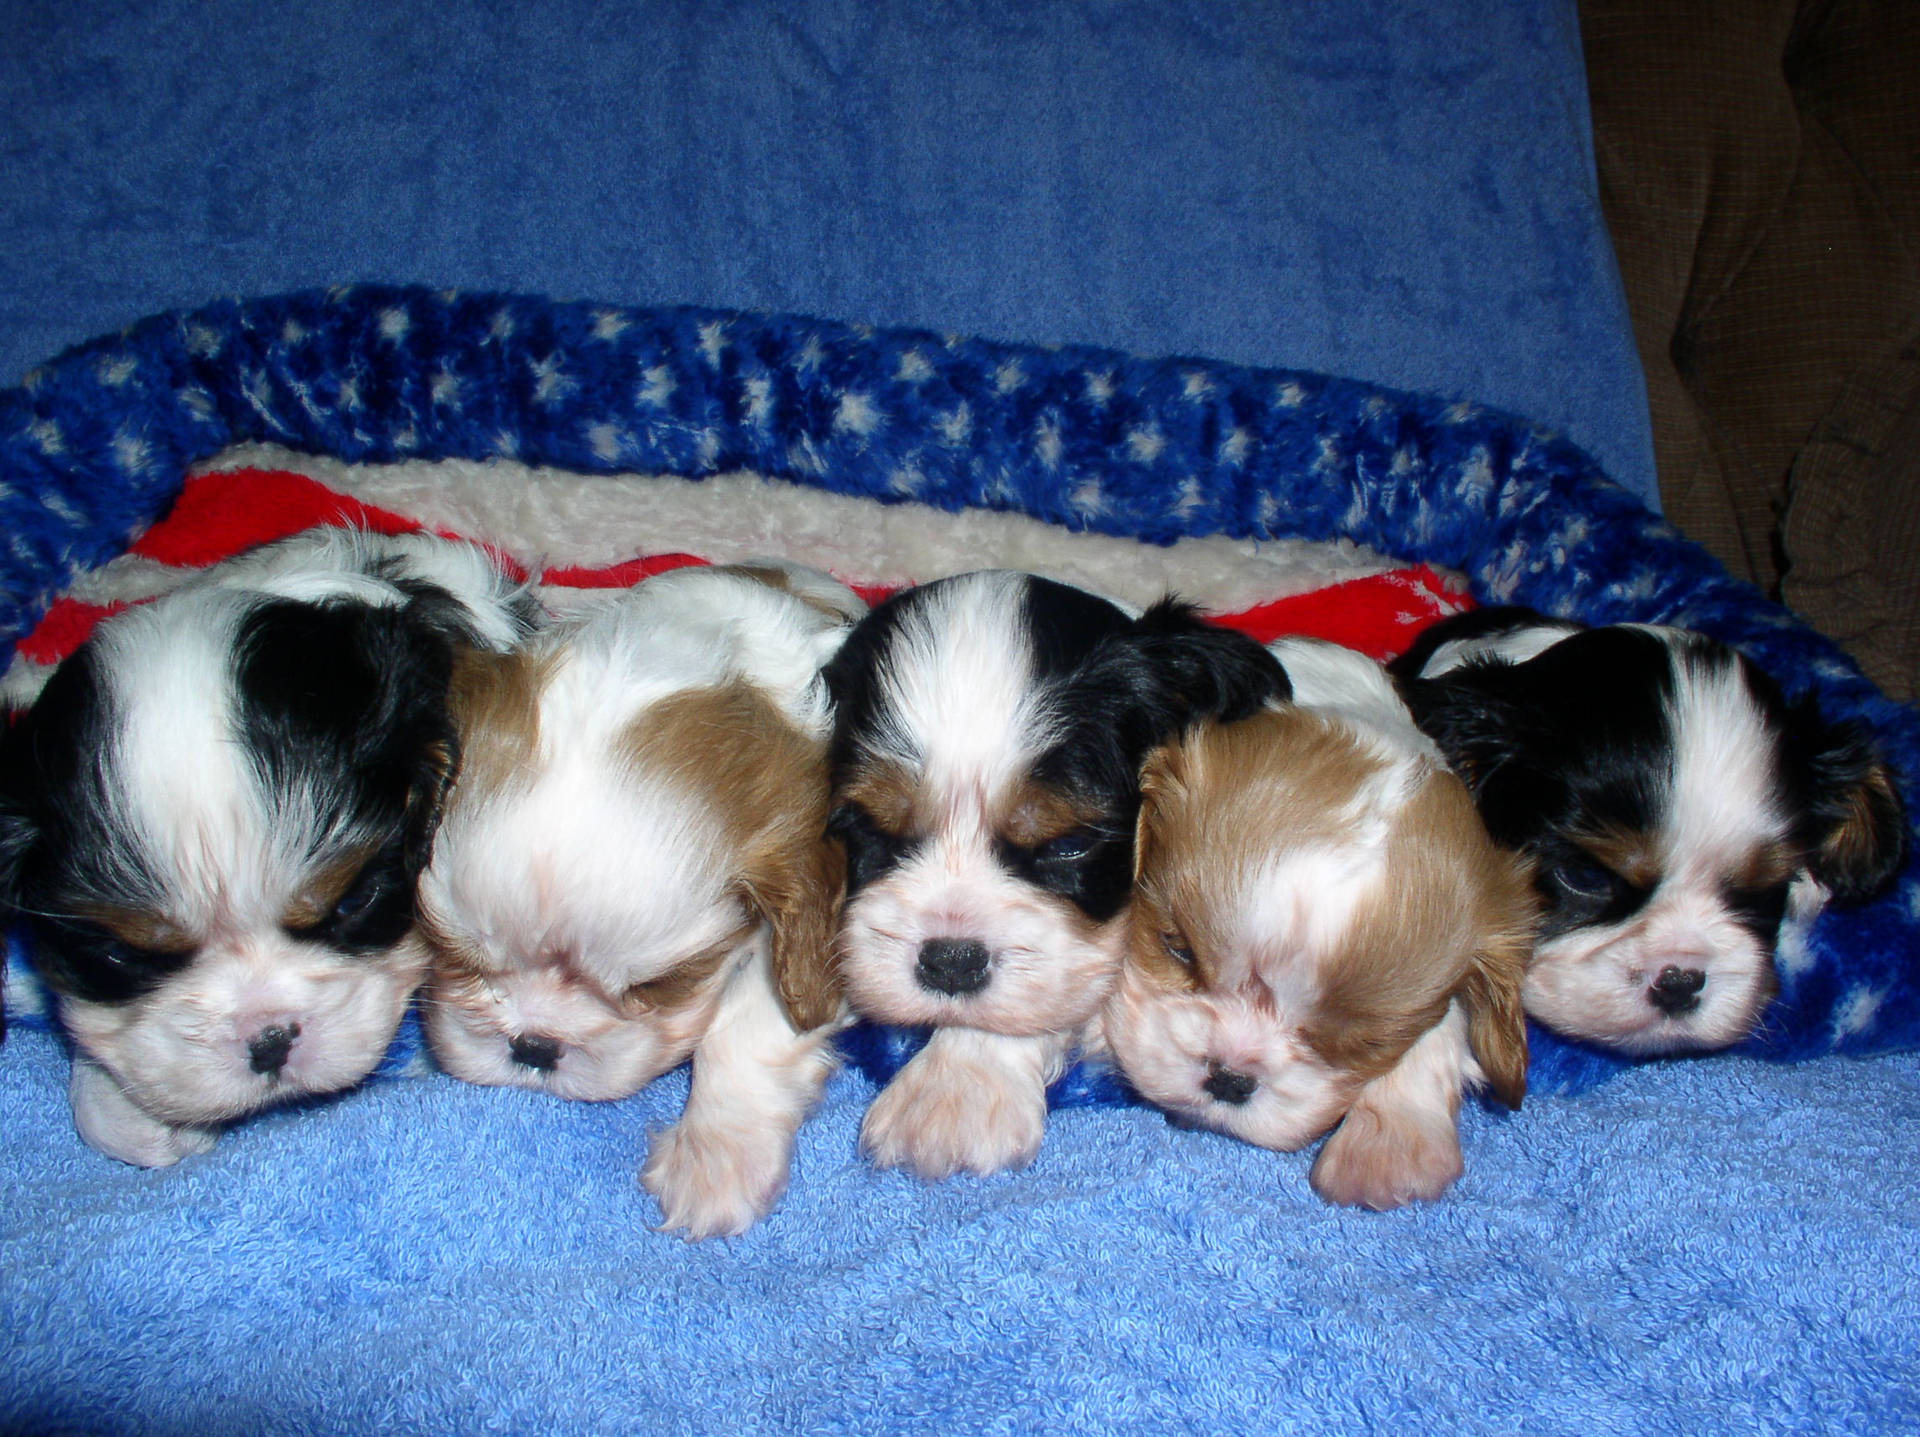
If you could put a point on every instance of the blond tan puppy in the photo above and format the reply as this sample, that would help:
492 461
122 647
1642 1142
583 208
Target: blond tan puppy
1323 937
633 869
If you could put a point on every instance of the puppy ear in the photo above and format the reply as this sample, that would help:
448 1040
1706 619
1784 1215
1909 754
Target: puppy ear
1857 819
1477 730
800 893
1160 780
1496 1021
1208 671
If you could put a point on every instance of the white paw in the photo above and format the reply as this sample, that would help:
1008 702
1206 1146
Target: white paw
715 1181
938 1119
1382 1161
108 1120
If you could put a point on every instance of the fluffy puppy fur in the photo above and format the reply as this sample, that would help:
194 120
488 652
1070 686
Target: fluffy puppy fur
1323 933
213 817
634 868
1675 807
989 730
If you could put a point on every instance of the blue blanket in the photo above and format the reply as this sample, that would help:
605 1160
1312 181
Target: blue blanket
1398 189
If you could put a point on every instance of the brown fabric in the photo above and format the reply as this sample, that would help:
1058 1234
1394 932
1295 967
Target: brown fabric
1854 525
1760 169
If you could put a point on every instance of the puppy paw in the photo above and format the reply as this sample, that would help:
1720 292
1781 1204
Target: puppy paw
110 1122
1384 1161
939 1119
715 1181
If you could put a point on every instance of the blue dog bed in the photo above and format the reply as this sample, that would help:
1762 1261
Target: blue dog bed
421 1255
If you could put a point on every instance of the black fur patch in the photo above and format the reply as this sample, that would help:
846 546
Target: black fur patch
1574 741
1112 688
342 709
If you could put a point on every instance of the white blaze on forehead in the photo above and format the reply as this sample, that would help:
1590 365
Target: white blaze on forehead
1284 916
189 787
1722 799
959 694
624 876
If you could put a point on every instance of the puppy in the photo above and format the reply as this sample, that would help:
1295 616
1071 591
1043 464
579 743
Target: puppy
988 735
634 868
1323 933
1674 805
213 816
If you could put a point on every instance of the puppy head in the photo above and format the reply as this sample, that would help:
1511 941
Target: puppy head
214 816
1310 901
988 736
1671 801
592 891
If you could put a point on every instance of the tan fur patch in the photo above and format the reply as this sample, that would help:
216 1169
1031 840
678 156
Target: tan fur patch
142 928
1036 814
1631 854
316 897
496 709
767 782
1767 866
886 792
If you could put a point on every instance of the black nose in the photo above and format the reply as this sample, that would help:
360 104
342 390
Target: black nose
534 1050
1677 990
269 1049
952 965
1229 1086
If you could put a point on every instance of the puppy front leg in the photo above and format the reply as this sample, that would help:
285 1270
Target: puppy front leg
114 1124
724 1165
969 1101
1400 1141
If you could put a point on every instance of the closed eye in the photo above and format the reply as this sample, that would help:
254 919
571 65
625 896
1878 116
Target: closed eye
871 849
373 911
1582 890
1067 848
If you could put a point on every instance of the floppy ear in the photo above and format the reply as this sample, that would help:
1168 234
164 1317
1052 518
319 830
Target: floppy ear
1160 780
1477 730
1207 671
795 870
799 892
1859 823
1496 1022
422 716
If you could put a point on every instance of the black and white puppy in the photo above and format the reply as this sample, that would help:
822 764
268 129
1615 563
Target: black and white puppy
1675 806
988 739
213 816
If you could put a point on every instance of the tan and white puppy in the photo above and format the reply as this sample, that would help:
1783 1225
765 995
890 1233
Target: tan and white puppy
633 869
1323 937
213 816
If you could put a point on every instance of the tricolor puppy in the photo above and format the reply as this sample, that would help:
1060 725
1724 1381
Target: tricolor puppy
989 731
1323 934
213 816
634 868
1674 806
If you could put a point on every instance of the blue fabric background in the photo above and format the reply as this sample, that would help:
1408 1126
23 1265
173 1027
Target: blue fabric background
1395 189
1401 192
